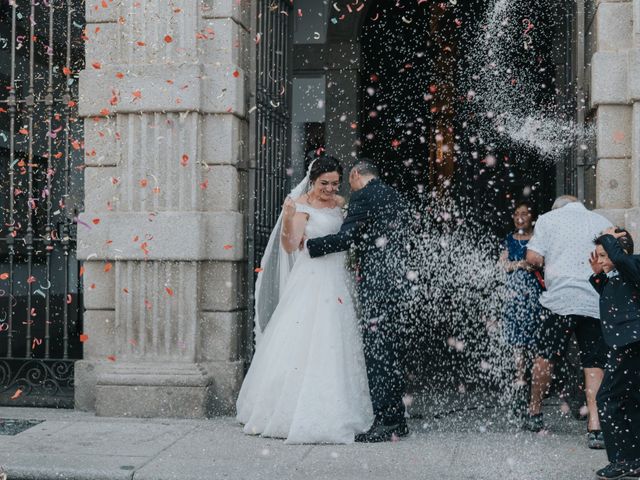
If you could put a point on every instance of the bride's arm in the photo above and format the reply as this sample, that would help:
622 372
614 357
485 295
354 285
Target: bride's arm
293 225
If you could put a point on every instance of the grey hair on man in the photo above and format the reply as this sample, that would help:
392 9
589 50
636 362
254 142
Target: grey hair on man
563 200
365 166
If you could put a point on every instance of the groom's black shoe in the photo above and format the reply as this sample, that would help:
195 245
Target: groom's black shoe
383 433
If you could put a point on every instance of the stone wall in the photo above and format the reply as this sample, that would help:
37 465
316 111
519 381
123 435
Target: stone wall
614 93
164 101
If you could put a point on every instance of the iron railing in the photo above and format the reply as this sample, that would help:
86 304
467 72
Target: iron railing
41 155
271 126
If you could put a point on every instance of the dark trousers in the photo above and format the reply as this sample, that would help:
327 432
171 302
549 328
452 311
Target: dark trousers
619 404
384 356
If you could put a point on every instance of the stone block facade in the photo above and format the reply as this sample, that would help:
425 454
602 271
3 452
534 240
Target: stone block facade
164 102
614 93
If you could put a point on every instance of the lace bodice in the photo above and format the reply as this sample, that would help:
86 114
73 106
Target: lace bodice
322 221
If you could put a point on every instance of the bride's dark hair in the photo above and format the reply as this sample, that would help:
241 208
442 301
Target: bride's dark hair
325 164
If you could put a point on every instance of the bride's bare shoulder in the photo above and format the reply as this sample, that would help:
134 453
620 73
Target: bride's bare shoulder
302 200
340 201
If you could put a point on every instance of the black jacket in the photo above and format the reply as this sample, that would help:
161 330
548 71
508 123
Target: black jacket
374 225
619 296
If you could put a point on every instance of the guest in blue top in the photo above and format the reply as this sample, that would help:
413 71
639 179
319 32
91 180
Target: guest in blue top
522 312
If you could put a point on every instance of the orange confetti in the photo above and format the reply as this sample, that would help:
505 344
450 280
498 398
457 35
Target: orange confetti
31 279
81 270
4 276
618 136
168 38
140 44
119 75
258 270
23 131
108 266
204 184
96 221
340 301
144 182
169 291
104 112
236 73
137 95
96 65
84 337
228 247
125 290
111 358
184 160
66 70
104 4
69 299
17 394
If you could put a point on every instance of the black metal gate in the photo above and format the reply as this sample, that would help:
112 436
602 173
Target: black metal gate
41 157
271 124
272 117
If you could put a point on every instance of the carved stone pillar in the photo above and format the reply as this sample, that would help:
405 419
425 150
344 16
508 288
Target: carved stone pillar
162 235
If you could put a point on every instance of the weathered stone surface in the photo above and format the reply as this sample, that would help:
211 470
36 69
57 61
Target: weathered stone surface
164 100
635 159
223 190
227 382
634 73
632 223
96 12
614 26
100 143
222 286
205 236
103 44
99 286
103 193
226 41
609 78
99 326
224 140
238 11
162 88
85 380
615 216
153 389
613 183
220 336
614 131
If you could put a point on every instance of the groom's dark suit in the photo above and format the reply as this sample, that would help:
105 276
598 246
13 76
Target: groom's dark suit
374 225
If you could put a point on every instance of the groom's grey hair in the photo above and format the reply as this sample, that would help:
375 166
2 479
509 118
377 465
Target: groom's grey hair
365 166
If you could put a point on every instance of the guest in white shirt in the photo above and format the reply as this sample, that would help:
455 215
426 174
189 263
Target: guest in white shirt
562 242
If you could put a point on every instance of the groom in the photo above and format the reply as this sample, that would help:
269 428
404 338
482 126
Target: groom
374 225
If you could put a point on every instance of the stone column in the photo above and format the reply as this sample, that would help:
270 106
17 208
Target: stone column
633 214
163 98
610 32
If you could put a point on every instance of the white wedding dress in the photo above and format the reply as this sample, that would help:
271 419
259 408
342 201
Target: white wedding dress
307 382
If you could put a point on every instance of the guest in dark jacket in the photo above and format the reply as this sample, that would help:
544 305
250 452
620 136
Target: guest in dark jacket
616 277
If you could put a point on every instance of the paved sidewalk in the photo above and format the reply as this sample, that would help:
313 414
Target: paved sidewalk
476 445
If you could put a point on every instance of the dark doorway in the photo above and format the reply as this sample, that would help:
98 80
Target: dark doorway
419 123
434 141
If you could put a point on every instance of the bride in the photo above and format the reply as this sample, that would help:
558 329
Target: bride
307 382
